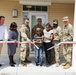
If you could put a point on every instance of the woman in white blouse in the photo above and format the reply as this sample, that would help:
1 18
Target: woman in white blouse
48 37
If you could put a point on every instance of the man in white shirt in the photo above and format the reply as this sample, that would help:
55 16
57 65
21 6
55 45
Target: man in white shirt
3 31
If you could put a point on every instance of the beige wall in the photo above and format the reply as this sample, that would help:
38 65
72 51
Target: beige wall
6 8
58 11
55 11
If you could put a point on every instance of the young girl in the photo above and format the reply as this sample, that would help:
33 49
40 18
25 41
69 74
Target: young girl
13 36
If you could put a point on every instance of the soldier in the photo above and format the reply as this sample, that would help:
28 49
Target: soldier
36 26
24 36
67 36
56 40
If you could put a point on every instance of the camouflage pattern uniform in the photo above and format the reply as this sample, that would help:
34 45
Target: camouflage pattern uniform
25 36
34 29
57 36
67 36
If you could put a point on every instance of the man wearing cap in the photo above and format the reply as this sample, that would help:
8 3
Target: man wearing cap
36 26
24 36
56 40
67 48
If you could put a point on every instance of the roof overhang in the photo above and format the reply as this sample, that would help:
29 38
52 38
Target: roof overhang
35 2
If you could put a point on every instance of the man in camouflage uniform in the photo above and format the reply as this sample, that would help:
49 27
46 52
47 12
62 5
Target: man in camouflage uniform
37 26
67 36
56 40
24 36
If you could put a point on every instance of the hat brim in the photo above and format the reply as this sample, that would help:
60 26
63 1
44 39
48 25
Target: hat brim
66 20
27 20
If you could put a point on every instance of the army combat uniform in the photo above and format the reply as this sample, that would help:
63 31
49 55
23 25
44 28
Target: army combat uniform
67 49
34 29
25 36
56 40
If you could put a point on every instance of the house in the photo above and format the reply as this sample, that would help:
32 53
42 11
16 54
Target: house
45 9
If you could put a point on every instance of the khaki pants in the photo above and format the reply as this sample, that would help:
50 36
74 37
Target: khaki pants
24 51
57 55
1 45
57 51
67 52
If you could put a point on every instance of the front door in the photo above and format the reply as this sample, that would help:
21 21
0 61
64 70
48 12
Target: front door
33 16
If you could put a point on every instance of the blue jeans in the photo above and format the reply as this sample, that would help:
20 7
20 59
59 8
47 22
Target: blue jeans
39 55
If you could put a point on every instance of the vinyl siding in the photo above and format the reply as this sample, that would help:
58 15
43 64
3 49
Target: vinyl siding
58 11
6 8
55 11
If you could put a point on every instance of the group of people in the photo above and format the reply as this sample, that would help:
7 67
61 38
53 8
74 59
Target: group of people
43 38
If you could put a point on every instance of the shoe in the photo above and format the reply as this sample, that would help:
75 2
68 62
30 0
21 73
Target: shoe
0 65
40 64
23 63
27 61
14 62
53 62
64 64
57 64
37 64
48 64
12 65
67 66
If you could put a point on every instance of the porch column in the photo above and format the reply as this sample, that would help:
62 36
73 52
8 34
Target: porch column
74 46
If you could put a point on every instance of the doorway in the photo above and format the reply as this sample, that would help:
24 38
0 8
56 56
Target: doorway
33 16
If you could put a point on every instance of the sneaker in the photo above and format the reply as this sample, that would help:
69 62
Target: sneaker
57 64
67 66
40 64
37 64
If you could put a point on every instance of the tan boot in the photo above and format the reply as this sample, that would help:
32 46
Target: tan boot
57 64
64 64
67 66
23 63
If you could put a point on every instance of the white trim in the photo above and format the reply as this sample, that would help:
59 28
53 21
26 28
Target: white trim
38 13
35 2
74 46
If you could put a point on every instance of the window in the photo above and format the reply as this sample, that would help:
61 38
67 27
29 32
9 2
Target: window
34 8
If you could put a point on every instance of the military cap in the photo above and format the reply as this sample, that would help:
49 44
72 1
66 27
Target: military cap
65 18
39 19
55 21
26 19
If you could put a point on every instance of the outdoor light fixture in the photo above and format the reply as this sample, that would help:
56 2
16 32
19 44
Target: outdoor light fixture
29 6
15 13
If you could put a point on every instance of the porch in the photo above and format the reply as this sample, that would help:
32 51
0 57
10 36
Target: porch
31 68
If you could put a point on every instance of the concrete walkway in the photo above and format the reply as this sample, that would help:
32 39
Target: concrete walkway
31 68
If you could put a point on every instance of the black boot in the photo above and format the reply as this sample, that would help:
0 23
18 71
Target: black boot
27 61
11 62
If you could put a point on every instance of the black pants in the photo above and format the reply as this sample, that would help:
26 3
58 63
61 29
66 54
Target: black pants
48 54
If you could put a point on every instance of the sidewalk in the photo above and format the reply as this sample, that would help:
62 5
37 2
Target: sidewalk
31 68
